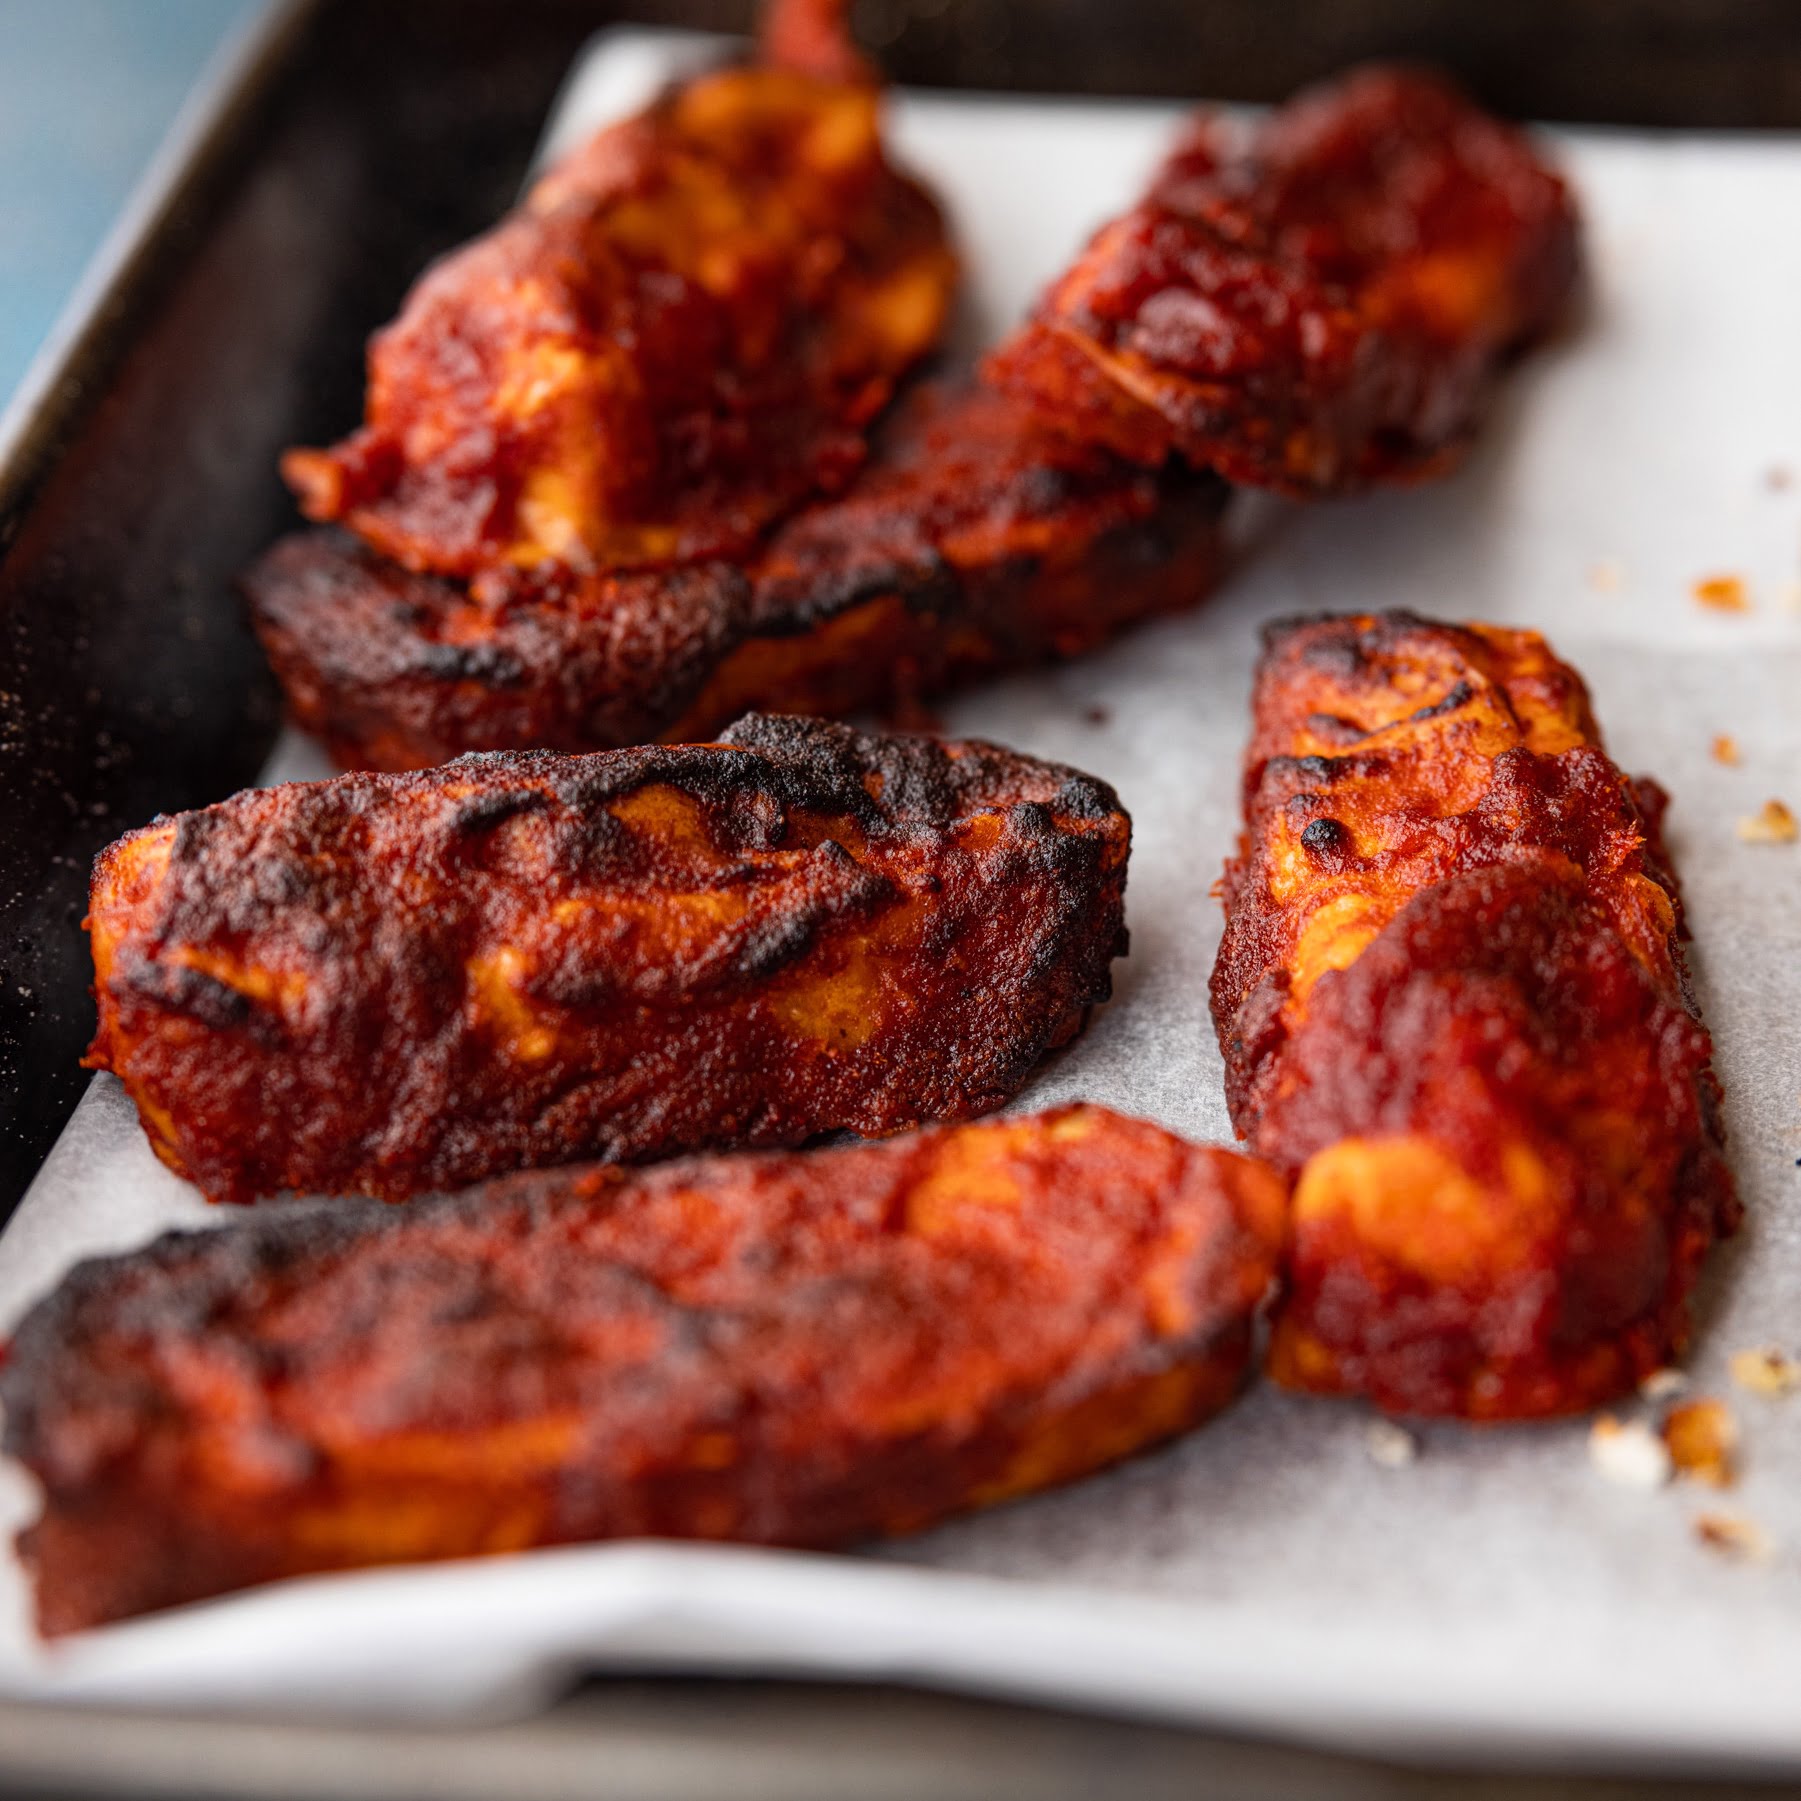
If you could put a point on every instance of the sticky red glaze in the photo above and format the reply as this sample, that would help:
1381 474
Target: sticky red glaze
388 984
1314 302
1453 1008
977 542
785 1349
678 337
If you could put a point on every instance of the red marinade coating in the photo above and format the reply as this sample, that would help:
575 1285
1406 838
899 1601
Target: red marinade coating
1454 1011
976 542
1313 302
783 1349
389 984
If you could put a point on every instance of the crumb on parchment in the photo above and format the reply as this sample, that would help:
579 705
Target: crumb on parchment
1725 750
1628 1452
1766 1371
1663 1385
1732 1535
1391 1446
1606 575
1723 593
1702 1438
1773 824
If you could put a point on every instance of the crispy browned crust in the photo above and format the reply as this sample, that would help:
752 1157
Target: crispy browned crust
979 542
1453 1008
678 337
785 1349
1313 302
387 984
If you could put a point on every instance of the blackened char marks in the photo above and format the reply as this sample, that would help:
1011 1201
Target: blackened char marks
789 1349
977 542
390 983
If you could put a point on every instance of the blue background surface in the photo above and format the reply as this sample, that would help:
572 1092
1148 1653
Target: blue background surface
87 89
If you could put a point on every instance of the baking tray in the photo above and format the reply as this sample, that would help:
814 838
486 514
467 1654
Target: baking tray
161 432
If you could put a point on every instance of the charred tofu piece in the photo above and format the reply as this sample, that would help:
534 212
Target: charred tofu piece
389 984
1315 301
978 542
1453 1007
678 337
1007 545
783 1349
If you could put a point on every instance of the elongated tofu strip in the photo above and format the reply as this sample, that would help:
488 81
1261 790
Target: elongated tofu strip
388 984
785 1349
1453 1007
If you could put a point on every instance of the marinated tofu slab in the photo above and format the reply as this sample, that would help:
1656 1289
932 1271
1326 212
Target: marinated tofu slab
800 1349
388 984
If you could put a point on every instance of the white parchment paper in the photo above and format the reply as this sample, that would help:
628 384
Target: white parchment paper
1496 1597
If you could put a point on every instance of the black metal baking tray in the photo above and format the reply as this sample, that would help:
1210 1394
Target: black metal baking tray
347 143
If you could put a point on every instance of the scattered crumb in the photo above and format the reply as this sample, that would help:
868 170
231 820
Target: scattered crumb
1723 593
1776 478
1702 1438
1628 1453
1607 576
1098 715
1732 1535
1663 1385
1768 1372
1725 750
1392 1446
1789 594
1773 824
